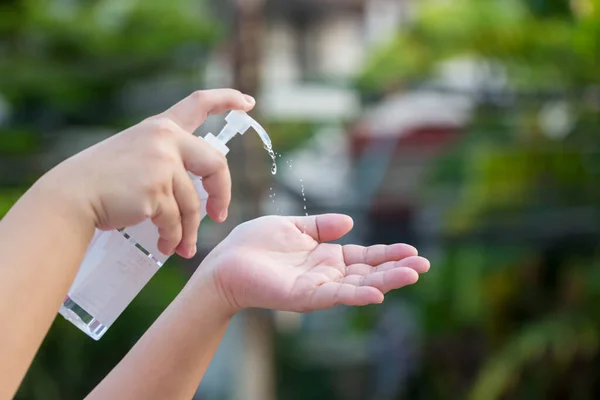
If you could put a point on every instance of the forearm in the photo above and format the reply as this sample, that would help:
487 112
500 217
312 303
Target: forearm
173 355
42 241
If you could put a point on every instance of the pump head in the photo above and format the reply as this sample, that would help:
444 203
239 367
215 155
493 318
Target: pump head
240 122
237 122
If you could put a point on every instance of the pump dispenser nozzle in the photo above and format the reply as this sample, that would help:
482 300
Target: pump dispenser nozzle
239 122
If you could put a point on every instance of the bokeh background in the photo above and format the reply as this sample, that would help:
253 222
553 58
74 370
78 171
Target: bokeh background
468 128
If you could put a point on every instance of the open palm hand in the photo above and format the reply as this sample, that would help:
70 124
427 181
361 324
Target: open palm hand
284 263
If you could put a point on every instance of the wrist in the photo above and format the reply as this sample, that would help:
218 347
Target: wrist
204 290
68 205
66 200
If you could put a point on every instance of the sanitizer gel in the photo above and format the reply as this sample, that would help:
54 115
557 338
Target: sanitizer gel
119 263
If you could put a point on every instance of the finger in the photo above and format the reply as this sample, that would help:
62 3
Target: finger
332 294
203 160
325 227
218 187
419 264
384 281
189 208
376 255
168 221
192 111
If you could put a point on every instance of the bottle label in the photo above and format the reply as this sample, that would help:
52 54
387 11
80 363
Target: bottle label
146 235
113 272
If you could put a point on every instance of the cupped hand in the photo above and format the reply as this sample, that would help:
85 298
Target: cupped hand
141 173
284 263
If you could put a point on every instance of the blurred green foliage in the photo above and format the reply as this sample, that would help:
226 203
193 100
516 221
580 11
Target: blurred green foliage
524 227
70 58
510 307
541 50
287 135
8 197
66 63
18 142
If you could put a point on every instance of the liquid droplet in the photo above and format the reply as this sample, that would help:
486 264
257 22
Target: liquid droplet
303 197
272 155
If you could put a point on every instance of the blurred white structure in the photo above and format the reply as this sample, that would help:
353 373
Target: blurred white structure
314 48
396 139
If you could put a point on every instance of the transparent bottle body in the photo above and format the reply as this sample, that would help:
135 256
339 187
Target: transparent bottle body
116 267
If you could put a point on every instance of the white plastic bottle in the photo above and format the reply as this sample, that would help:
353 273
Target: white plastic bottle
119 263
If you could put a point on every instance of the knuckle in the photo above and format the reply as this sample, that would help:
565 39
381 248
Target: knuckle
151 189
155 188
161 139
198 96
147 211
190 240
192 211
164 155
161 127
169 235
220 162
172 228
160 133
161 154
234 98
174 219
235 94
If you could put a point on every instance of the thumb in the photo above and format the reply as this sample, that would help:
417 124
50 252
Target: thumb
325 227
192 111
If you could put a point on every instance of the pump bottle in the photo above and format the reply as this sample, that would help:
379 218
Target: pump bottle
119 263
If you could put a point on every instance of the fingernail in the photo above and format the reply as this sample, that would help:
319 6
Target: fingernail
192 252
223 216
249 99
